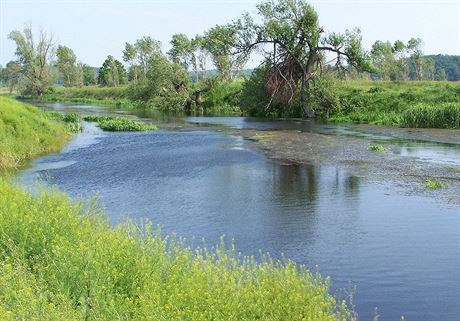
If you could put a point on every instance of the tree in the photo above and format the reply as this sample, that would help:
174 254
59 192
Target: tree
292 39
182 51
89 75
219 42
34 59
112 73
165 86
414 46
442 75
11 75
137 55
67 65
390 60
428 69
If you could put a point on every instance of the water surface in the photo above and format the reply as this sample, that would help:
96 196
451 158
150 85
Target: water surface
402 253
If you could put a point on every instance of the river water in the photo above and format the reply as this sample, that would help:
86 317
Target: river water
400 253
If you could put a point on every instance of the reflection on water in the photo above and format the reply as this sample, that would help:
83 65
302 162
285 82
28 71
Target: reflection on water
399 251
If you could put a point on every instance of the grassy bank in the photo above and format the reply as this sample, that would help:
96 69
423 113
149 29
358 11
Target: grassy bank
113 96
25 132
407 104
59 261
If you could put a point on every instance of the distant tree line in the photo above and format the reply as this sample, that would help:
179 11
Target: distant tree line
300 62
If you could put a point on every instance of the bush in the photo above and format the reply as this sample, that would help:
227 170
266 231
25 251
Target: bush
59 261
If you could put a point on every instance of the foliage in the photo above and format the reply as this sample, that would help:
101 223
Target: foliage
138 55
68 67
385 103
118 124
166 85
219 42
112 73
435 115
378 148
110 96
63 261
89 75
295 45
447 64
34 59
255 99
222 97
11 75
25 132
434 184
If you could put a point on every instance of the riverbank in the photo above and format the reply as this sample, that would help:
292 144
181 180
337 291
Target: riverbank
422 104
27 132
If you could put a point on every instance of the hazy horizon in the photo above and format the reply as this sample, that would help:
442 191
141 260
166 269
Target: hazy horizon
95 29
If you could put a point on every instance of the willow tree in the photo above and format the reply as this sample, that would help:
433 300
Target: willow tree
291 39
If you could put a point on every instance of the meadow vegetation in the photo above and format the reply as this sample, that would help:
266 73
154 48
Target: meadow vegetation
61 260
26 131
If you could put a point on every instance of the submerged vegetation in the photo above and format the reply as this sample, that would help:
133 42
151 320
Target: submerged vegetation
25 132
63 261
378 148
119 124
430 184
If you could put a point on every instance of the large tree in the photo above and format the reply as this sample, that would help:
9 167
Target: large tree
67 65
290 37
34 57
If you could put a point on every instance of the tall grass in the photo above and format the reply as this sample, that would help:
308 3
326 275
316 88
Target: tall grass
396 103
442 115
25 132
62 261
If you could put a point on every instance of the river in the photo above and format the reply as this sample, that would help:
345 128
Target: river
398 252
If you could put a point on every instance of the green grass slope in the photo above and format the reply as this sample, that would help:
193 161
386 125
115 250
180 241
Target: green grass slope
25 132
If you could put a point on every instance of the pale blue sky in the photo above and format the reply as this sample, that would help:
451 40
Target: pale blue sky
95 29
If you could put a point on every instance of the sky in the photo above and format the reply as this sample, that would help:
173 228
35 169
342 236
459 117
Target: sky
95 29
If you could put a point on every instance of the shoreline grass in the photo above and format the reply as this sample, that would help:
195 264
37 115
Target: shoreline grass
26 132
62 261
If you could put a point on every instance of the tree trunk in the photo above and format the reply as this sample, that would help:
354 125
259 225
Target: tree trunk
307 111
